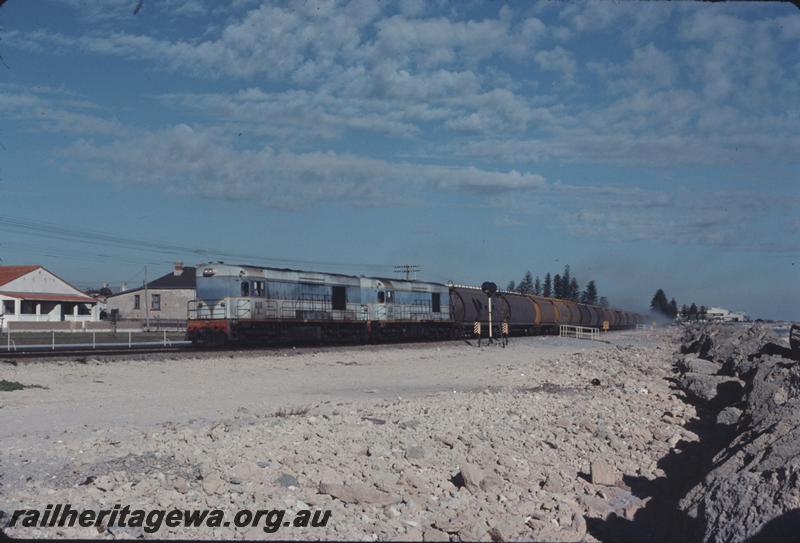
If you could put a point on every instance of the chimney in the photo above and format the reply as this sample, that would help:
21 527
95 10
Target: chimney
178 268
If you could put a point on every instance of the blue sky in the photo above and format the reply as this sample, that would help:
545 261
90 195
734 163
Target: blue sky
649 145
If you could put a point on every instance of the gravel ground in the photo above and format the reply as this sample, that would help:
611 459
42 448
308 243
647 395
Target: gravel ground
441 441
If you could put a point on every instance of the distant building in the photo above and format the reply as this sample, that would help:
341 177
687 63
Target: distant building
33 294
166 299
724 315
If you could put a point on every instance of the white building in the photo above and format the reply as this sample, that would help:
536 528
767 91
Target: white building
719 314
163 302
31 294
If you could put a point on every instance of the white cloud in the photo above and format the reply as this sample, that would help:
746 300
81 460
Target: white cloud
196 162
54 110
557 60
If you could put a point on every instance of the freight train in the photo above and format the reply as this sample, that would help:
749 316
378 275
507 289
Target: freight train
239 304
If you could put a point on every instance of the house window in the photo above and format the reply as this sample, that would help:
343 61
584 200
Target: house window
8 305
137 301
156 302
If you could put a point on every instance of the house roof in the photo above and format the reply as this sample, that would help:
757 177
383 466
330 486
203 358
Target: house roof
38 296
9 273
186 280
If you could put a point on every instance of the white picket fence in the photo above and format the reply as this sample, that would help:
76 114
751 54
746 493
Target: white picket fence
579 332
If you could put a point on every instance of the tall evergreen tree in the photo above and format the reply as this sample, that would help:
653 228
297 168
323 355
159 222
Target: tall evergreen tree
590 294
574 290
673 308
537 286
659 303
558 287
684 311
693 311
701 313
547 288
566 282
526 285
603 302
511 285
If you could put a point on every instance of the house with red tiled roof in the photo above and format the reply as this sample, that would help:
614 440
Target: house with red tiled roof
34 294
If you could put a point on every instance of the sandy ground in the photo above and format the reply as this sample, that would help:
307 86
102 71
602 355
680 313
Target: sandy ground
528 421
144 392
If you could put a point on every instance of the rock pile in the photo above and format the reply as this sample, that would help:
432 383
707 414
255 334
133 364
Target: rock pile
746 388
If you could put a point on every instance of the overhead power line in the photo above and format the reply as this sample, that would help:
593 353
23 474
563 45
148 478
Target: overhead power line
52 231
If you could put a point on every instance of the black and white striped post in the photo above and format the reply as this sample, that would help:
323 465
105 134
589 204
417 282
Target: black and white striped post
489 289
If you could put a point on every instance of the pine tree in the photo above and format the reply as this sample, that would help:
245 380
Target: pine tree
566 283
603 301
659 303
693 311
526 285
537 286
673 308
702 312
558 287
574 290
590 294
512 286
547 288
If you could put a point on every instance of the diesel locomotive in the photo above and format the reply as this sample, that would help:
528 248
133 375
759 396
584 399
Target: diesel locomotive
240 304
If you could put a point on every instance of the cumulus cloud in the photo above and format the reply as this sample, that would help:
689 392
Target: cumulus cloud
557 60
184 160
406 71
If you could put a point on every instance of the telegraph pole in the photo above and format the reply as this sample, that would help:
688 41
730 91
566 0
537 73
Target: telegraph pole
146 308
407 269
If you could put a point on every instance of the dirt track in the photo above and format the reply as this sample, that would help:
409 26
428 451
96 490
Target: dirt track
397 420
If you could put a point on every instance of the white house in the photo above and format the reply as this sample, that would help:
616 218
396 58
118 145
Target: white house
33 294
719 314
163 302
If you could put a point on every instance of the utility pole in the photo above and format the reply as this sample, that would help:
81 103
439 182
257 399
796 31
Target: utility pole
146 307
407 269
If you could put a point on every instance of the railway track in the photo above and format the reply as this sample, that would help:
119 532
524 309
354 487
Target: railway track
44 351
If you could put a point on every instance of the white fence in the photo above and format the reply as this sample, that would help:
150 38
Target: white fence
53 341
579 332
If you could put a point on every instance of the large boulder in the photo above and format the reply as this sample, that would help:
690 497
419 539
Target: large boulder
693 364
728 345
717 390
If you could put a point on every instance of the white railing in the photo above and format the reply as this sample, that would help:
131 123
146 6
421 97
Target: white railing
25 317
52 340
579 332
78 318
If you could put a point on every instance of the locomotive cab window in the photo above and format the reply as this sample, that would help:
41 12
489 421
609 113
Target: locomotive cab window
381 297
258 288
245 288
338 298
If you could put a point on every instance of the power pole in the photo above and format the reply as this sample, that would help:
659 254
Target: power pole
407 269
146 308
